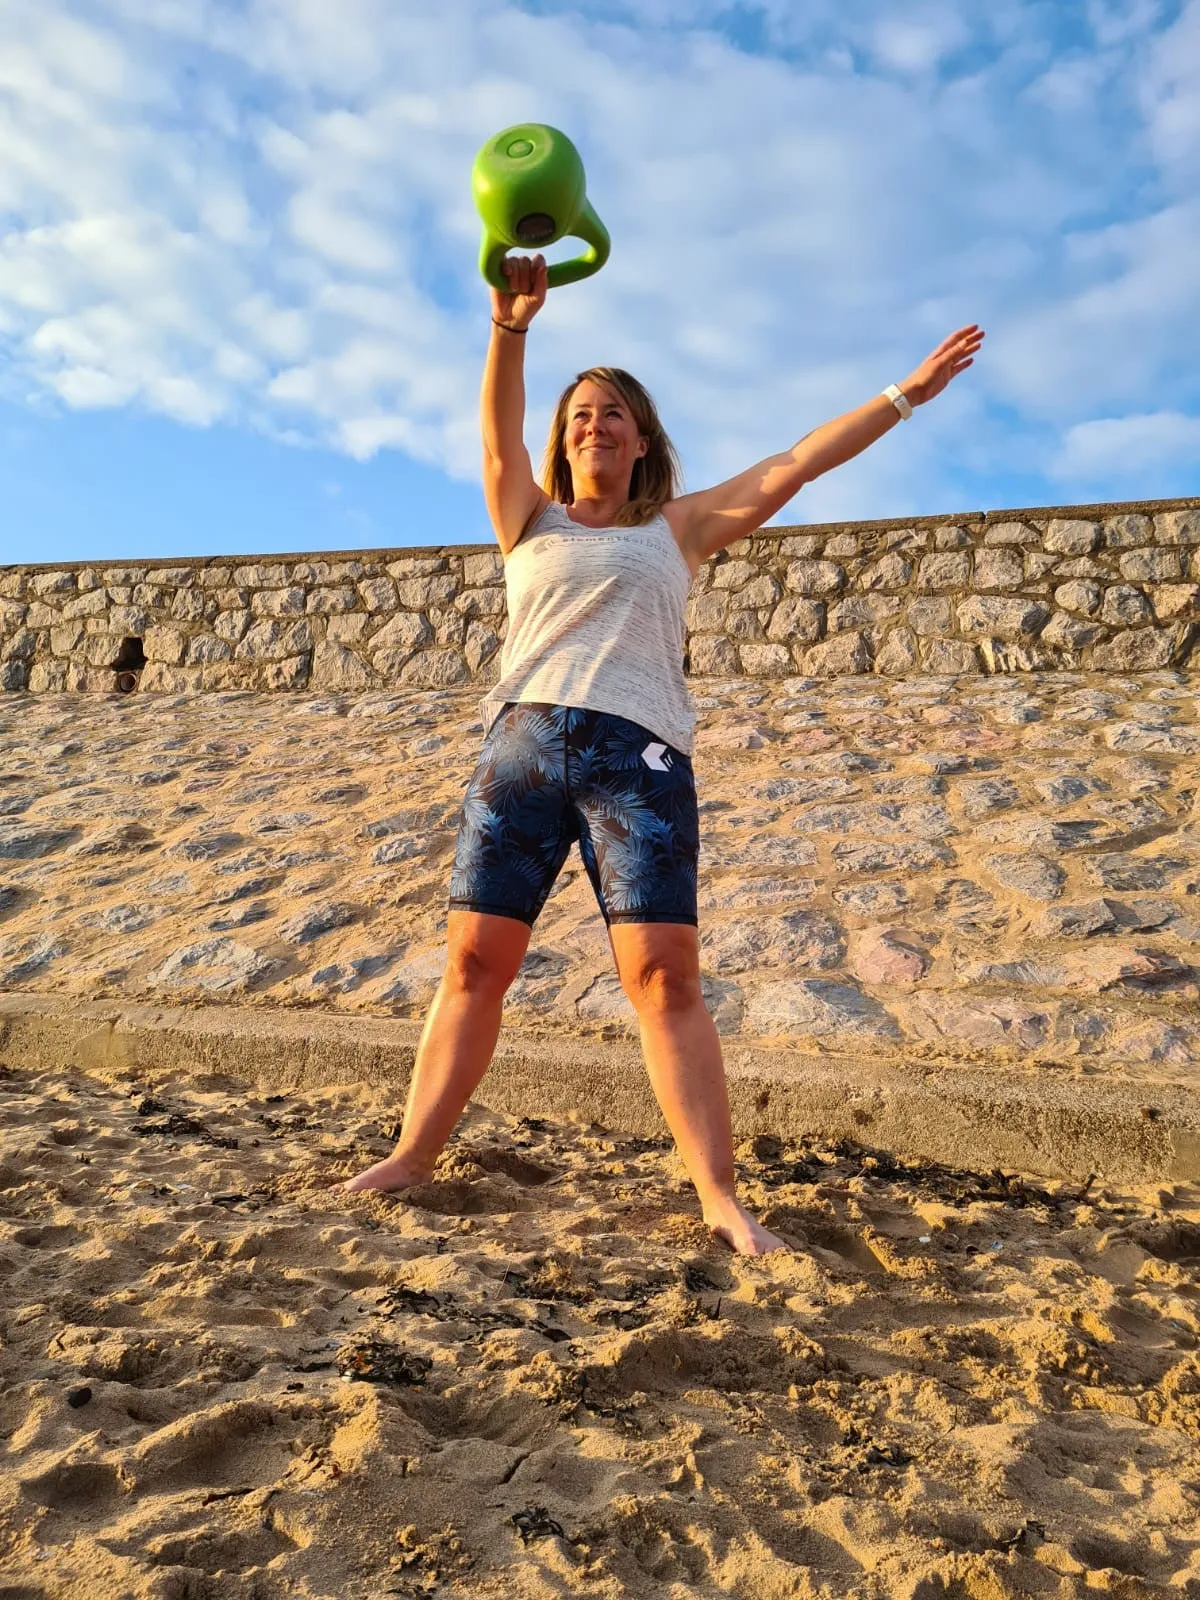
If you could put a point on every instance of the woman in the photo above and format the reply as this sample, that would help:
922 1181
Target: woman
588 732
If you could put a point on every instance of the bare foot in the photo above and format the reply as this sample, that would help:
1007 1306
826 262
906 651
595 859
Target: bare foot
394 1173
746 1237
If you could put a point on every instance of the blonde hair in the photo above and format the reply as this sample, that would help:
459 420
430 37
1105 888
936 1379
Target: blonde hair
657 476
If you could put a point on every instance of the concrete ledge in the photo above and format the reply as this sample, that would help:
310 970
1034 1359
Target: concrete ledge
1040 1123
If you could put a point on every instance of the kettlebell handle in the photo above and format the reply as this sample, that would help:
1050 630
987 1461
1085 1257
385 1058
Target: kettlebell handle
588 227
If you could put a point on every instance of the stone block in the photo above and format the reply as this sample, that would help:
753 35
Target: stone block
897 654
289 673
47 677
949 657
172 577
732 574
951 537
398 639
884 954
842 547
22 645
153 595
124 575
205 648
1010 533
482 570
1081 595
347 629
481 645
131 620
328 602
278 602
817 1007
435 669
14 674
66 638
1071 537
929 618
1038 563
40 615
274 640
944 569
417 566
706 612
796 619
1003 616
158 677
13 585
189 605
814 577
796 546
47 583
1177 527
744 625
914 540
1130 528
449 627
765 660
1136 650
1172 600
1009 655
481 602
843 656
307 572
711 655
12 615
261 575
417 593
862 611
214 577
231 625
1152 566
761 591
890 572
91 604
1064 632
99 649
1000 568
378 594
167 645
335 667
1125 606
1083 567
349 571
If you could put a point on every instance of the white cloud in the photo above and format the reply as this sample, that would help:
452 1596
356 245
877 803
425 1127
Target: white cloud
1116 447
260 214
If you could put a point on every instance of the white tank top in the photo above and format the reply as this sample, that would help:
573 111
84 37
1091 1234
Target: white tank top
596 619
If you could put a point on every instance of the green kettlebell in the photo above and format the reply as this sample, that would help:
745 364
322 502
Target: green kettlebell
530 190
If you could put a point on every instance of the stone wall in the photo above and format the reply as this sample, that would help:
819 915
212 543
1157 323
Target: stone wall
1099 588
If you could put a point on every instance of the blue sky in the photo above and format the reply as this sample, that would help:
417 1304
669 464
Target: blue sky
239 306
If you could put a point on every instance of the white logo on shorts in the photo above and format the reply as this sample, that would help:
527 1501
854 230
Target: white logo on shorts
657 757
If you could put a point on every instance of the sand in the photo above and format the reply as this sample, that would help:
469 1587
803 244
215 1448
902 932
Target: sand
539 1375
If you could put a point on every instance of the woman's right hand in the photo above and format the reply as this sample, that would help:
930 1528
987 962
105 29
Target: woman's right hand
526 291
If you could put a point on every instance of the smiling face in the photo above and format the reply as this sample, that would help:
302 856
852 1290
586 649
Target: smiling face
601 439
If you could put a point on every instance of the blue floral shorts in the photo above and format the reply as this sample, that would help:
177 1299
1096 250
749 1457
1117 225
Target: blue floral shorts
549 775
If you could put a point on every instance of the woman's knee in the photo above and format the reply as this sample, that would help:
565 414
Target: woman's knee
484 961
662 983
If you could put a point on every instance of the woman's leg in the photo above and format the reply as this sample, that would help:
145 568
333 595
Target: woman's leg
659 968
484 954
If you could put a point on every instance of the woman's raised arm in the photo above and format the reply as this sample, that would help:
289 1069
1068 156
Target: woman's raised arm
509 489
713 518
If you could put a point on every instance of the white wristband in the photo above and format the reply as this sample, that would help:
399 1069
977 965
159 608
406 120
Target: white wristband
899 399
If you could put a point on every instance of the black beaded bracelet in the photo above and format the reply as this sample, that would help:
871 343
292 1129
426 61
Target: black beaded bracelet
506 327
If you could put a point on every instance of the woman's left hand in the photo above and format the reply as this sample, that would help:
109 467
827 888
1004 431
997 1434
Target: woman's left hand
954 355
